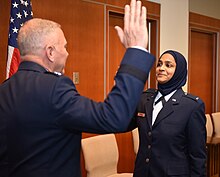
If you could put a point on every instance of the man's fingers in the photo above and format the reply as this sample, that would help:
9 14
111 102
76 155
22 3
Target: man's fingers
135 29
120 35
143 19
132 12
127 17
138 12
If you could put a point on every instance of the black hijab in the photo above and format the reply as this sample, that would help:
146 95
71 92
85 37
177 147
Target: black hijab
180 75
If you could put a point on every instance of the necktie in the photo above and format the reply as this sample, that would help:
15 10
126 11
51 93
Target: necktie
161 99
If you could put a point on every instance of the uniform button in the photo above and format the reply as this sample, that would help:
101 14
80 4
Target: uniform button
149 133
147 160
149 146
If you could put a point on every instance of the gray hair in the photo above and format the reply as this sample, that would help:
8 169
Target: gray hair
34 35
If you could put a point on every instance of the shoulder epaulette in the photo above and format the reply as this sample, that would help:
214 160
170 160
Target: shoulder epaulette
193 97
148 94
53 73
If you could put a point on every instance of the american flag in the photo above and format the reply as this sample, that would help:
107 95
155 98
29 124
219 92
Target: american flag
21 11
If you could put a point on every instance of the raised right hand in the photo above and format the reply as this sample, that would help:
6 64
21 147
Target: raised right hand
135 31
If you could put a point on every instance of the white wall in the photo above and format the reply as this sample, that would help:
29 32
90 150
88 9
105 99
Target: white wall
174 25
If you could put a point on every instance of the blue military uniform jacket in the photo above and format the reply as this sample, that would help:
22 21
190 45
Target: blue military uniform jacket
42 116
175 145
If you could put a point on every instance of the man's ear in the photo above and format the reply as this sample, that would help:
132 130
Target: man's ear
50 52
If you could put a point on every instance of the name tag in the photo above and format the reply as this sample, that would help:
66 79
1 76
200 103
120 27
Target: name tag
141 114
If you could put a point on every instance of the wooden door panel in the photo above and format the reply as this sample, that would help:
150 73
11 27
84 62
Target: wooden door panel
115 49
201 77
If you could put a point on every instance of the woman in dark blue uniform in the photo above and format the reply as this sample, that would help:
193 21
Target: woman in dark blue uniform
171 125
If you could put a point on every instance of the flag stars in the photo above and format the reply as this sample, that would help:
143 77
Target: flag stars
22 2
12 20
25 13
26 3
15 5
19 15
15 30
21 11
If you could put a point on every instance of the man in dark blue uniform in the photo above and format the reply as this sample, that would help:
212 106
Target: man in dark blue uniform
41 113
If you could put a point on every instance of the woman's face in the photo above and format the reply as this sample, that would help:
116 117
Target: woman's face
166 67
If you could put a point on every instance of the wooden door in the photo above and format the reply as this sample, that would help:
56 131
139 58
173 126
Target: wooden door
204 67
